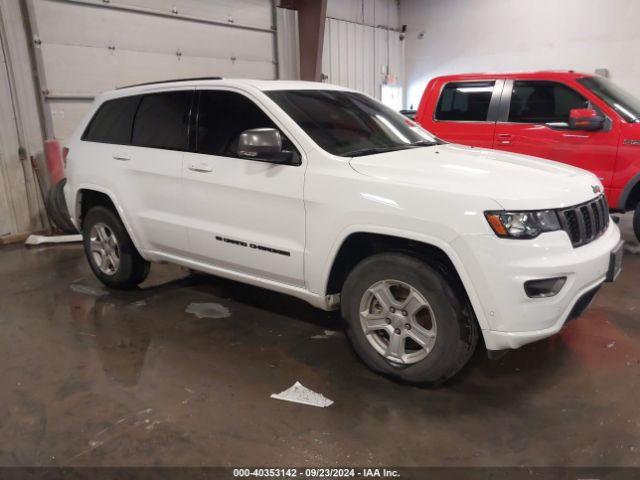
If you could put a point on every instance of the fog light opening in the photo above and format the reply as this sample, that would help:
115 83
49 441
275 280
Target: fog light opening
544 288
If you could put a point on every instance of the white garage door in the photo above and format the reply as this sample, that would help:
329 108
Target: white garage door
87 47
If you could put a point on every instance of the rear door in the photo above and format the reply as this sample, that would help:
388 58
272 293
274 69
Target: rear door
534 120
150 169
466 112
244 215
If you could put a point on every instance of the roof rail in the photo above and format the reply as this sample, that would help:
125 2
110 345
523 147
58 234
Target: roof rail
169 81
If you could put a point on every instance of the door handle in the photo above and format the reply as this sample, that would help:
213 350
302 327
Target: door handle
505 138
121 156
200 167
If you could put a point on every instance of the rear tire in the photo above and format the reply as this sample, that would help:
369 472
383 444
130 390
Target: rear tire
56 207
110 252
422 333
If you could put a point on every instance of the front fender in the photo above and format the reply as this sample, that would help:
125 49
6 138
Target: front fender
427 239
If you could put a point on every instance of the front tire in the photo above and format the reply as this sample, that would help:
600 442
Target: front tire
110 252
406 320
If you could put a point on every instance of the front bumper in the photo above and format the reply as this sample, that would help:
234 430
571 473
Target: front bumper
498 269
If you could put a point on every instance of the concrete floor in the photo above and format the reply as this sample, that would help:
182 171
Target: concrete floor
92 377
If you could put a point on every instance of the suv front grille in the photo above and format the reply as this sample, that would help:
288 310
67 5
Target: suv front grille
585 222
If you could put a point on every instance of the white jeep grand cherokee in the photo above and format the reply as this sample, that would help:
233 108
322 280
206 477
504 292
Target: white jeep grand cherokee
325 194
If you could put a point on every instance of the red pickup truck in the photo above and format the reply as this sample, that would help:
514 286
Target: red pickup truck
580 119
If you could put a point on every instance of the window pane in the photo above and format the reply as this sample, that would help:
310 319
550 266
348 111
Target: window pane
624 103
222 117
543 102
113 121
162 121
467 101
349 123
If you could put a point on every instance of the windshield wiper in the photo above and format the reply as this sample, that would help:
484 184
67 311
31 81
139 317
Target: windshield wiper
423 143
371 151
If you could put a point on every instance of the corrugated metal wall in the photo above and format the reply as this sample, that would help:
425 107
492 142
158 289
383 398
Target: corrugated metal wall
21 207
362 44
89 46
7 141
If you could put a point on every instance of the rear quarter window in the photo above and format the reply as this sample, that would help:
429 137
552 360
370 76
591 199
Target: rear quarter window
465 101
113 121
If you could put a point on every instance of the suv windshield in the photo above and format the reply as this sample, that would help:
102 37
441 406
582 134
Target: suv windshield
350 124
622 102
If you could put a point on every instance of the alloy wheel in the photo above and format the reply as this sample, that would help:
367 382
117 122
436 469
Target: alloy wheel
398 322
105 250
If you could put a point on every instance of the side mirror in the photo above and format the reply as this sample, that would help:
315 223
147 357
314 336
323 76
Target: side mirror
263 144
585 119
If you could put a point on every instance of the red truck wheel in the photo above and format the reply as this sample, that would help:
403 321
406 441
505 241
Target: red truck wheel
636 222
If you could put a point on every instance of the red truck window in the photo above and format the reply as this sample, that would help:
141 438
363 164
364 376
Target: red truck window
465 102
543 102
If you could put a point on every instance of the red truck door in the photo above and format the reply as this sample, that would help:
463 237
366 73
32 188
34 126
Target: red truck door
462 112
534 119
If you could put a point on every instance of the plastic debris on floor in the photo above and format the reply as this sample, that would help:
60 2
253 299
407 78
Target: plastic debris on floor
326 334
298 393
635 249
208 310
88 289
41 239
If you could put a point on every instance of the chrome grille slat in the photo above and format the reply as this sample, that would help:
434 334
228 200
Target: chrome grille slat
585 222
588 214
582 229
595 214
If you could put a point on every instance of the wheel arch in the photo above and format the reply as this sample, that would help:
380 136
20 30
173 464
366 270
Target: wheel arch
88 196
630 197
360 244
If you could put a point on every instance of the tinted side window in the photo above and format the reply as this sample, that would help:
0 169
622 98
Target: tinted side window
113 121
543 102
466 101
222 117
162 121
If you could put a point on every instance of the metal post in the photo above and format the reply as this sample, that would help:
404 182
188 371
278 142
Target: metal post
311 21
31 26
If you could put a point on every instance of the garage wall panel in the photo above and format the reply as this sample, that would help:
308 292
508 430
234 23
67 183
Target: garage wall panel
457 36
87 47
124 30
359 49
255 13
288 44
21 208
375 13
8 141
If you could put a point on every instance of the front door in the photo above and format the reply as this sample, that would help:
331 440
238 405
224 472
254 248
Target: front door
534 120
243 215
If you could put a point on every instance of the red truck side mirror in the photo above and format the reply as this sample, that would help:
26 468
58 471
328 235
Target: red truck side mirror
585 119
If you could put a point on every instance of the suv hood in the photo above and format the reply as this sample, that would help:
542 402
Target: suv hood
516 182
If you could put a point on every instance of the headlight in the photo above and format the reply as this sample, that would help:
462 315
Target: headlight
523 224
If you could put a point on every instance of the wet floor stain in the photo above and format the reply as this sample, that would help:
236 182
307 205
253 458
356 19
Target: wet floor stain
208 310
132 378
